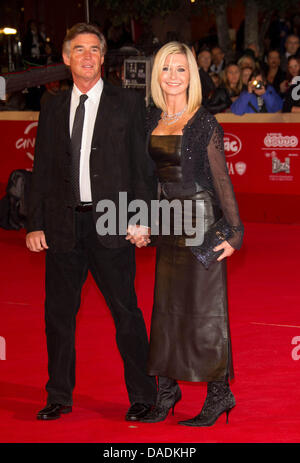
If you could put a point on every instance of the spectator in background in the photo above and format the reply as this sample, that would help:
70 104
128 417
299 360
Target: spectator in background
291 47
216 79
207 84
274 73
258 98
204 59
293 70
228 91
217 59
54 88
232 81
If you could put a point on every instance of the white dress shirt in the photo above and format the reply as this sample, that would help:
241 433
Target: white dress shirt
91 109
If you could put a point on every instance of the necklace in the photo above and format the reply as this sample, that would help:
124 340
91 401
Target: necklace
170 119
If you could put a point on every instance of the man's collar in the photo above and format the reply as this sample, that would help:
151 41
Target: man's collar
93 93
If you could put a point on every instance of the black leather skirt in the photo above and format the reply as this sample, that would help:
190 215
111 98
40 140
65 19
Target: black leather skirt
190 337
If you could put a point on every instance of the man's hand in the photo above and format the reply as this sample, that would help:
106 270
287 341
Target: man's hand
36 241
138 235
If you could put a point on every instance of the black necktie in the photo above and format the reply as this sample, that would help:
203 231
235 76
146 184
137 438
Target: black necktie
76 138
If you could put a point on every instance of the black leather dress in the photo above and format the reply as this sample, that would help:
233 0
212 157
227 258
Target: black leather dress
190 338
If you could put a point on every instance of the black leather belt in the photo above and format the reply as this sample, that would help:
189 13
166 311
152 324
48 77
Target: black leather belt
84 207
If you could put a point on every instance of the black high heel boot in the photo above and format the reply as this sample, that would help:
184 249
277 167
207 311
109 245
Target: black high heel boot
169 394
219 400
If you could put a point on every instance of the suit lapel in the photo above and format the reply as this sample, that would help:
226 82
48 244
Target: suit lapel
107 112
63 115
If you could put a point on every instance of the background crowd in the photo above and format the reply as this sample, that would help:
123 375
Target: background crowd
250 84
254 81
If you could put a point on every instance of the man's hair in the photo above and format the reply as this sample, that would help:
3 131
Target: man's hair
83 28
194 91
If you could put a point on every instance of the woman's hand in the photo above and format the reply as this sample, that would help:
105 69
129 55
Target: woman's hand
228 250
138 235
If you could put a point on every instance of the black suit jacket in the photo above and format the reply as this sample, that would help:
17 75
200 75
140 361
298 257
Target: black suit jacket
118 163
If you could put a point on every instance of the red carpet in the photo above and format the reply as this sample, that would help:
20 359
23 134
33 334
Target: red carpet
264 314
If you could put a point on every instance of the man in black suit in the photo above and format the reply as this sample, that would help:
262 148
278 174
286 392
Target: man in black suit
89 147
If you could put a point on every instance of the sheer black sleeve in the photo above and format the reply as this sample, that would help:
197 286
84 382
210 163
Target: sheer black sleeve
223 186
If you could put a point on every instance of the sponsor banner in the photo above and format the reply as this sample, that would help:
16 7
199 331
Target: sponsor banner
261 157
264 157
17 146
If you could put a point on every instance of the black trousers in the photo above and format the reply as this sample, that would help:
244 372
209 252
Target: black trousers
113 271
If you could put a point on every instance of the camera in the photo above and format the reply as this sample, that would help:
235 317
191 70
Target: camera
258 84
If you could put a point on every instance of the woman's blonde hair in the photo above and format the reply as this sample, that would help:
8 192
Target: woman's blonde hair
242 60
194 90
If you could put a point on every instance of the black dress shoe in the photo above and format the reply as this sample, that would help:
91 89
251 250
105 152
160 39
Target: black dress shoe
137 411
53 411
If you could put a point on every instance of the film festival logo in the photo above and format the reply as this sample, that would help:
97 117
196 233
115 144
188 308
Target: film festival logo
232 146
278 166
186 218
284 142
2 348
27 142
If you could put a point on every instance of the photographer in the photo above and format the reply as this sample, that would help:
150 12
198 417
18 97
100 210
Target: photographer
258 98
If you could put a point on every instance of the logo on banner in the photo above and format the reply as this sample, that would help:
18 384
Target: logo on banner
232 145
27 142
277 140
240 167
278 166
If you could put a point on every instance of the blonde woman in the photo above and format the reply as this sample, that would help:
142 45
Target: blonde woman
190 337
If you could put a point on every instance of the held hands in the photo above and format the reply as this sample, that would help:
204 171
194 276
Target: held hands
228 250
36 241
138 235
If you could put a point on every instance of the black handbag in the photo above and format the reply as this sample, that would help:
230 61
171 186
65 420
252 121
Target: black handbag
215 235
